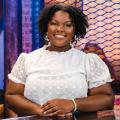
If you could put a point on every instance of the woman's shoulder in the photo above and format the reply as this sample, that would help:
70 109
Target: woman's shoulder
93 57
36 52
82 54
31 55
88 58
78 52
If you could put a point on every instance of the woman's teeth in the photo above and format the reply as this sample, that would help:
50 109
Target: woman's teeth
59 36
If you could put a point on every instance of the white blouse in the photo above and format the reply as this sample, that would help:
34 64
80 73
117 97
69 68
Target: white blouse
49 74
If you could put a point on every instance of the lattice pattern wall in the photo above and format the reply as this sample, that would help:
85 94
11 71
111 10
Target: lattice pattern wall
77 3
104 21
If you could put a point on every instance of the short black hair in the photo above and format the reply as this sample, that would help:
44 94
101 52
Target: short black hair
78 18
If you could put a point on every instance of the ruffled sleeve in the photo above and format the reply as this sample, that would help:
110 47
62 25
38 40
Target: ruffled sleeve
97 71
18 73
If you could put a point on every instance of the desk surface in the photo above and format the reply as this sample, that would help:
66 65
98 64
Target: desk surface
101 115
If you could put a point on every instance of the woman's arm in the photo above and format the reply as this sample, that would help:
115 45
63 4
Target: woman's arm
99 98
14 96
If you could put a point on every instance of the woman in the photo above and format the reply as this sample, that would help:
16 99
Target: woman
59 79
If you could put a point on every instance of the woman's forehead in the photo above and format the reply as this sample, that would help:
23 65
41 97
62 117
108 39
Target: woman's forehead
61 15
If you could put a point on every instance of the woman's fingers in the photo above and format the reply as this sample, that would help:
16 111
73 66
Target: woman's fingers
47 106
57 107
48 110
51 109
54 113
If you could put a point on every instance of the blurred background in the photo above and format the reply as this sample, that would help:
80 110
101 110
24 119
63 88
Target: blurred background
19 32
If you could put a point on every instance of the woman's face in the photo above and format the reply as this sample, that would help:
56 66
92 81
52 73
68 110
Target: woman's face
60 30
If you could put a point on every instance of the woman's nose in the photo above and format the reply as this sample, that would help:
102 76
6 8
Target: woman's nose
60 28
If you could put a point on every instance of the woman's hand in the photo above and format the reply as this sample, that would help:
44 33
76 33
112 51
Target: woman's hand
57 107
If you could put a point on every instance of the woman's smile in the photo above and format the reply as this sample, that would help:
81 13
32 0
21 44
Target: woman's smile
60 36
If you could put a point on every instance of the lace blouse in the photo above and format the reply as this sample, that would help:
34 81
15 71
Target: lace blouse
49 74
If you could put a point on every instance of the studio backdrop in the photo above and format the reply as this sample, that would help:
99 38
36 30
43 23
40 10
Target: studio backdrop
22 34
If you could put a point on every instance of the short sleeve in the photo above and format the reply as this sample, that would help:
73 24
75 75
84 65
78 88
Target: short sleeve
18 73
97 71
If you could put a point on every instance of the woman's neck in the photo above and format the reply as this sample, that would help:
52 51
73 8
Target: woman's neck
58 49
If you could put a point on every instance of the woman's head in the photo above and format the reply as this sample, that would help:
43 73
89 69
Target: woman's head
60 30
76 17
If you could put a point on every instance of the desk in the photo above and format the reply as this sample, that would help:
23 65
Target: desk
100 115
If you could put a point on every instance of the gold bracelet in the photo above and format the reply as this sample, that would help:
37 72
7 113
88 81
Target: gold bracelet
75 106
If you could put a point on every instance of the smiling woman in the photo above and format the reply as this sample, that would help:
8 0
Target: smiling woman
58 79
61 31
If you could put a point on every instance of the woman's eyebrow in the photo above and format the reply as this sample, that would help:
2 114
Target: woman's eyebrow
57 20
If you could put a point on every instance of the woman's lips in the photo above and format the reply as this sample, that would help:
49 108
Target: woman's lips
60 36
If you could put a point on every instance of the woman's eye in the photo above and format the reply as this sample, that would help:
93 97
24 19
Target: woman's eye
53 23
69 25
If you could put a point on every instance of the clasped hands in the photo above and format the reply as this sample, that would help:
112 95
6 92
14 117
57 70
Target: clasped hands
57 107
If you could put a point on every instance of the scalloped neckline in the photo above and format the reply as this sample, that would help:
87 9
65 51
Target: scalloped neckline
55 52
